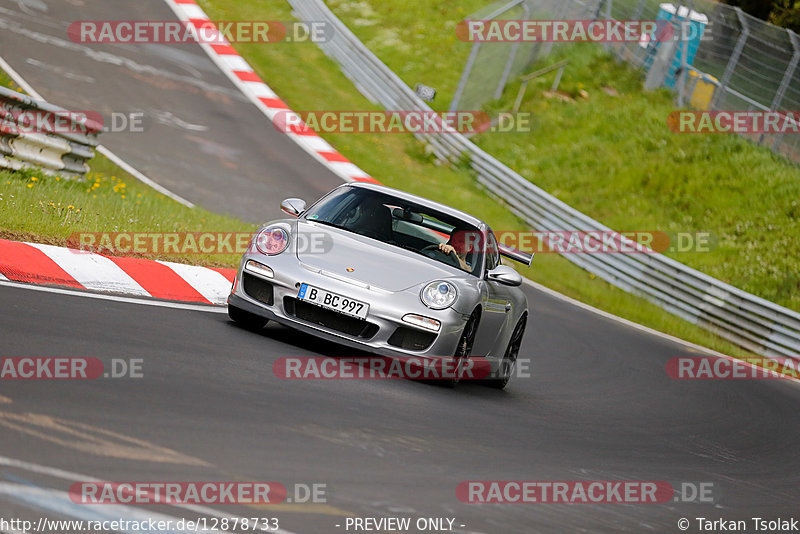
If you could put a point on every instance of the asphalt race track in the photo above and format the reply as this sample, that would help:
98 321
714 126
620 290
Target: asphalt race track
598 406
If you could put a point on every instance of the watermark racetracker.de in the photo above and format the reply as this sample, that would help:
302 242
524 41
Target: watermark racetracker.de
585 492
574 31
68 368
559 242
736 122
199 31
401 121
716 368
388 368
16 120
196 492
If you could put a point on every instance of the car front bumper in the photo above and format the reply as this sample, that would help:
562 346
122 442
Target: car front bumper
385 313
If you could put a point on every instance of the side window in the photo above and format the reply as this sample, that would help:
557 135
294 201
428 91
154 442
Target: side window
492 253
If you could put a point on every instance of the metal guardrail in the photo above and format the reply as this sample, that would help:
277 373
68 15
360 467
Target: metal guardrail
51 139
749 321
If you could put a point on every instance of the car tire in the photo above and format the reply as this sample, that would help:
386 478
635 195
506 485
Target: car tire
464 347
248 320
507 364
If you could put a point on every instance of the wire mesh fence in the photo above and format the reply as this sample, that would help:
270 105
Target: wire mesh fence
745 64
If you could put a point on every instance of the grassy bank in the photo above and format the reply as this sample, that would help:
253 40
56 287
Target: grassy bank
48 209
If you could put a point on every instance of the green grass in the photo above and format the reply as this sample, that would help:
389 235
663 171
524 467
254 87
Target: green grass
308 80
6 82
48 209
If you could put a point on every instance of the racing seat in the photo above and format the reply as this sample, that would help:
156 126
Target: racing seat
374 221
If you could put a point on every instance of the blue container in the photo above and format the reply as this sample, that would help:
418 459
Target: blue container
693 34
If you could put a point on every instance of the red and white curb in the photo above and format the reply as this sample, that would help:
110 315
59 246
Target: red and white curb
265 99
48 264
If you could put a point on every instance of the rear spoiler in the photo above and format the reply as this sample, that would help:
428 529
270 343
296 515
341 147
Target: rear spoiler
514 254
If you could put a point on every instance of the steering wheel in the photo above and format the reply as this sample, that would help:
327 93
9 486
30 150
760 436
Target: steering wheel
453 257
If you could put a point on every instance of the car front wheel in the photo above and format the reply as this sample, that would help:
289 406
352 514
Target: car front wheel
509 361
464 347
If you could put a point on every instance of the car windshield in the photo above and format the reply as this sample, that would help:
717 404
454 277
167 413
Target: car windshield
404 224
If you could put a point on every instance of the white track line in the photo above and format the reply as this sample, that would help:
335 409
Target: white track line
116 298
621 320
641 328
142 178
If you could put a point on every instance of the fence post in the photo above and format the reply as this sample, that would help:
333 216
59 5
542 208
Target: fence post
637 15
787 77
547 47
473 53
683 77
734 59
638 11
512 54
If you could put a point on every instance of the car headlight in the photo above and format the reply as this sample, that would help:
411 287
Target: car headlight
438 295
272 240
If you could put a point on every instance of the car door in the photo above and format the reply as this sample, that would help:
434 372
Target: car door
496 304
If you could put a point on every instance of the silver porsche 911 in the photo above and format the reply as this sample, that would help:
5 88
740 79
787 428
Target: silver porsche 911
389 272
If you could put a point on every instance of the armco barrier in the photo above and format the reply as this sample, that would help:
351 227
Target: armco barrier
745 319
62 149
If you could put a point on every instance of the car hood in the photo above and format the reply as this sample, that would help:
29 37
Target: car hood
373 263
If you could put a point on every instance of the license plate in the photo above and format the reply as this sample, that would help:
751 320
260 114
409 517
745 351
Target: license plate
333 301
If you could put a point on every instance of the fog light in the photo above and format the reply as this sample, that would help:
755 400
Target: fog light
423 322
258 268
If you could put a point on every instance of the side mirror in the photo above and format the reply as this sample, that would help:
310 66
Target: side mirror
505 275
293 206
